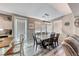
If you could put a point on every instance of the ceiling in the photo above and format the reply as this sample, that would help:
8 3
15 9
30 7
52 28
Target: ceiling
43 11
75 8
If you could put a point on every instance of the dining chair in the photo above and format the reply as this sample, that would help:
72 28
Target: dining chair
52 34
37 41
55 40
10 50
19 46
51 40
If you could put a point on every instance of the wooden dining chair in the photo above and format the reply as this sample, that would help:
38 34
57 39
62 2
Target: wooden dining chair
56 40
51 40
13 47
36 42
52 34
10 50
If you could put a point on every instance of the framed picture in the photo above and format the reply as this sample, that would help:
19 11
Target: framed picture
67 24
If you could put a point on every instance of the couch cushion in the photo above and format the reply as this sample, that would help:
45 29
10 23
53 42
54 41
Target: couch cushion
74 43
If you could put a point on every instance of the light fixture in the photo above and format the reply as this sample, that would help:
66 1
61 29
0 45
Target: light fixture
1 29
45 15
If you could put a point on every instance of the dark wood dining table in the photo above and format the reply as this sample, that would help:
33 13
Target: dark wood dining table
46 42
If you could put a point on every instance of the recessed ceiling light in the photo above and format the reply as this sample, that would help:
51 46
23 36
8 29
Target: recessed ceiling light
46 14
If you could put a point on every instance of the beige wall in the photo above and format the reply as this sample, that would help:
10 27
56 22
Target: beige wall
70 29
4 23
30 29
59 25
77 28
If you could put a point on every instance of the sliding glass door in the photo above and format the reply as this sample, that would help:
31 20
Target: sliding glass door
20 31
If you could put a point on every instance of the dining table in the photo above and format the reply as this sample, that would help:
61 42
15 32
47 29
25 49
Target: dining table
45 40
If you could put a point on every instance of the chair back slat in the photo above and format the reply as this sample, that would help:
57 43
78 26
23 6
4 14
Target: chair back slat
56 38
34 37
52 35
